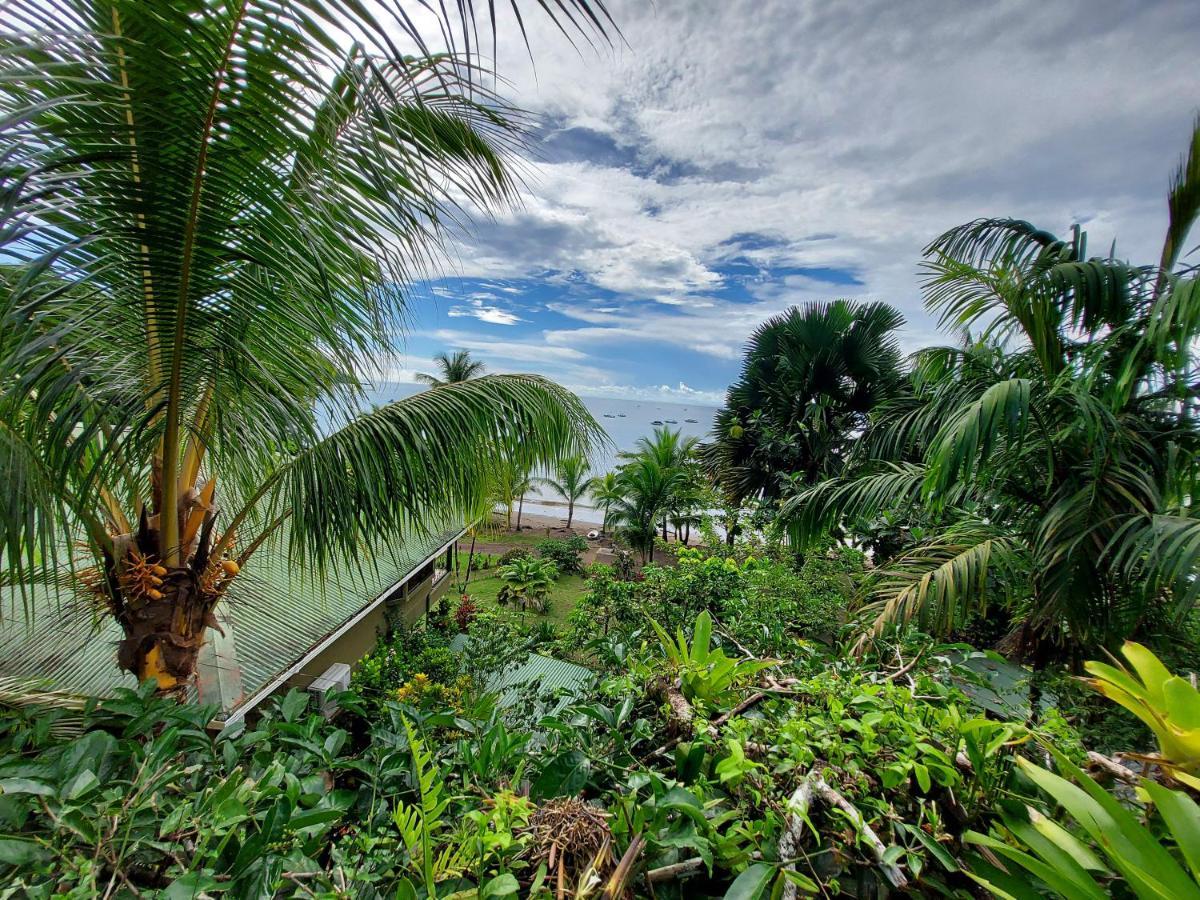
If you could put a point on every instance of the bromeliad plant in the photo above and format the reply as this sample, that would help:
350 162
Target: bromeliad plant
705 673
1168 704
211 210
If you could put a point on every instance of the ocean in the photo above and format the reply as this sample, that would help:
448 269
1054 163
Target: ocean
625 421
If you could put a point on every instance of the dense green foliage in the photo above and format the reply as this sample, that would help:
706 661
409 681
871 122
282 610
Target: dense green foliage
716 757
567 555
1052 458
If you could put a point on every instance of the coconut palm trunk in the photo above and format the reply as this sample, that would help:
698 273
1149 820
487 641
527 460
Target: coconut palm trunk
211 215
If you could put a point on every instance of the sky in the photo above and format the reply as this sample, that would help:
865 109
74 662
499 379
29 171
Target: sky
730 159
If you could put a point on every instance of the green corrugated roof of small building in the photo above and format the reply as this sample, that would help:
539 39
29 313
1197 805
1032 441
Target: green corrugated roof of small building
277 615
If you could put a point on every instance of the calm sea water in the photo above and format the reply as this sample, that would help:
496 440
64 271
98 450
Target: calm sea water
625 421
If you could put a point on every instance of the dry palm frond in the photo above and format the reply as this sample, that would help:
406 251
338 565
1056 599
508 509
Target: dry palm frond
26 693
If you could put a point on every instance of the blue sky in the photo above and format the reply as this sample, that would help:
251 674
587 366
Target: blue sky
730 159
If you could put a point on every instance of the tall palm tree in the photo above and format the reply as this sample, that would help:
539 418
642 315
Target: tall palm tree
811 376
1058 452
456 368
213 210
606 491
672 452
647 488
572 480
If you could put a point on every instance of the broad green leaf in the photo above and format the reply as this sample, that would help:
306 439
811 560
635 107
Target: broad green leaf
751 884
501 886
565 775
16 851
1182 816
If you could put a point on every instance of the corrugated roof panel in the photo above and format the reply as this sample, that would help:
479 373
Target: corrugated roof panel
277 619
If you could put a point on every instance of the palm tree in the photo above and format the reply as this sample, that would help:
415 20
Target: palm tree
571 480
606 491
672 452
213 211
527 582
523 486
647 488
455 369
810 378
1057 452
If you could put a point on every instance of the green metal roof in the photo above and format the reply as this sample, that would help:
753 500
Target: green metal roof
276 616
553 675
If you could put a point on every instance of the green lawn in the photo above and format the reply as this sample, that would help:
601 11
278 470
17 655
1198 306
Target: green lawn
565 593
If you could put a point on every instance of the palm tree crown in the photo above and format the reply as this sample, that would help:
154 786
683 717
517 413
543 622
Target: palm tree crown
455 368
811 376
572 480
213 211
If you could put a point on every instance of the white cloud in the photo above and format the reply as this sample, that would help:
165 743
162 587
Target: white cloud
477 308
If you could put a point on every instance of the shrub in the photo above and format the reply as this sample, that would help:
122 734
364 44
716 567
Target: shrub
466 612
511 556
566 555
396 659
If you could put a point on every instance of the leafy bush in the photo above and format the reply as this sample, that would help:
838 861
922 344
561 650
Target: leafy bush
609 602
566 555
397 658
510 556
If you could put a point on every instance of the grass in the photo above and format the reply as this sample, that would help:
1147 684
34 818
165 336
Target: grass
564 595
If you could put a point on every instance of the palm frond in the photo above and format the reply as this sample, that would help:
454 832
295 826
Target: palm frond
1183 202
812 512
414 465
964 444
941 580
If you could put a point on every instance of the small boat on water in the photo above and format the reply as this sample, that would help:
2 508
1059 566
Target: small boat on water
672 422
693 421
620 415
656 422
609 416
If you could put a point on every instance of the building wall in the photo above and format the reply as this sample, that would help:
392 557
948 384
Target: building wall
409 603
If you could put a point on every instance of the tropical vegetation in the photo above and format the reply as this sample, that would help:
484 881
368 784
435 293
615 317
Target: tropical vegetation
571 480
212 213
1051 455
810 378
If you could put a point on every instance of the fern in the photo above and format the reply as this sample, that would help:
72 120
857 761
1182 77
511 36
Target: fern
418 825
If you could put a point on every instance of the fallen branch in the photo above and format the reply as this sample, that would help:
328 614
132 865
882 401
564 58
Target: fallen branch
681 715
1111 767
907 667
878 850
667 873
713 727
789 845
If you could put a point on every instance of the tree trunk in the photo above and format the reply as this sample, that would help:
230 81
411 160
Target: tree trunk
664 529
520 511
570 512
163 635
